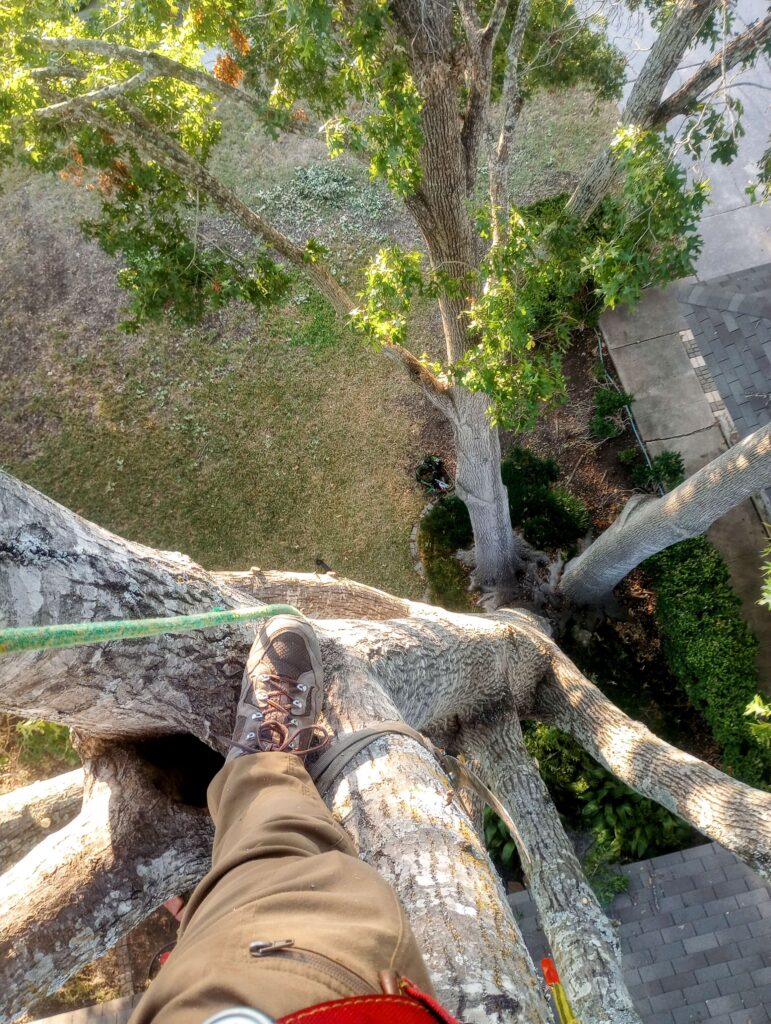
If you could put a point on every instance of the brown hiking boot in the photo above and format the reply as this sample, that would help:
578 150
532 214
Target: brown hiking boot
282 692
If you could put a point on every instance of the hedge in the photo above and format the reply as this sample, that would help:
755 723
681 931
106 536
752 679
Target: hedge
710 649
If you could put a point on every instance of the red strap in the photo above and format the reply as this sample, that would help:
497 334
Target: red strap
415 1007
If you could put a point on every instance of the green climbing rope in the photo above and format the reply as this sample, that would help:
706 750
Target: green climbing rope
38 638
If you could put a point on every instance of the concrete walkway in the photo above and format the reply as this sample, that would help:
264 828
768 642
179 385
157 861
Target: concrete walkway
678 405
695 933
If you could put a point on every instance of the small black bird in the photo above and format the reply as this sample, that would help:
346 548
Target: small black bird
322 567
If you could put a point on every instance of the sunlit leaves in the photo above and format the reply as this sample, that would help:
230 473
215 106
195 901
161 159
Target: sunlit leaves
648 232
394 278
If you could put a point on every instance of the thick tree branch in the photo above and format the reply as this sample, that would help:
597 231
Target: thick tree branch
736 816
30 813
319 596
397 805
82 888
157 64
582 941
437 392
500 149
644 101
57 567
648 525
738 51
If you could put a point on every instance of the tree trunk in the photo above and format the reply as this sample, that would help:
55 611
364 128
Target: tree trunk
648 525
478 483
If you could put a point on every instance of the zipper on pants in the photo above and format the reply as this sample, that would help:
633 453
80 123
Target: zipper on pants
286 950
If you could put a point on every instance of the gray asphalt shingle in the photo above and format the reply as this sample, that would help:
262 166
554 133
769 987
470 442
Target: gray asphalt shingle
695 931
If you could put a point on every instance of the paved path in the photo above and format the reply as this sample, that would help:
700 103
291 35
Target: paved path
679 405
736 234
695 931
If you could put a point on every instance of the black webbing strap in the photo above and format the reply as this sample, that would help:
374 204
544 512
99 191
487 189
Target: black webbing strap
326 769
332 762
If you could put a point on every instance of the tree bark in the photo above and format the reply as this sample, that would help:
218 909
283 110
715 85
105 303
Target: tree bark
584 945
648 525
28 814
740 50
478 483
57 567
80 890
140 836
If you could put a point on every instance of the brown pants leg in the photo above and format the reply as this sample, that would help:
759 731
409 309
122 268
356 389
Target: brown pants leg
282 868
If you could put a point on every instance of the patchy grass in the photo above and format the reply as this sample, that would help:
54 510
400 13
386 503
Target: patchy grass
558 136
230 444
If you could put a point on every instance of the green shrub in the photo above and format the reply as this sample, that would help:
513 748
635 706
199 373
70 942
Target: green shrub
608 407
626 826
527 477
447 525
443 529
40 741
498 841
629 457
548 516
666 471
710 649
759 711
448 582
606 880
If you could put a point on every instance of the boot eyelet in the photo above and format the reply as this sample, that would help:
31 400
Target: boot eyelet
297 703
293 721
260 695
256 716
251 735
302 687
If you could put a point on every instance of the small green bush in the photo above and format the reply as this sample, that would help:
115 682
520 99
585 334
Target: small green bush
40 741
606 880
448 582
548 516
666 470
447 525
608 406
626 826
710 649
443 529
498 841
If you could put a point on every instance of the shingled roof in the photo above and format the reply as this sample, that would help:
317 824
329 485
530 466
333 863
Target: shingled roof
695 931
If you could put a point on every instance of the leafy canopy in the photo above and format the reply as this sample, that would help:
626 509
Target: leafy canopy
347 66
